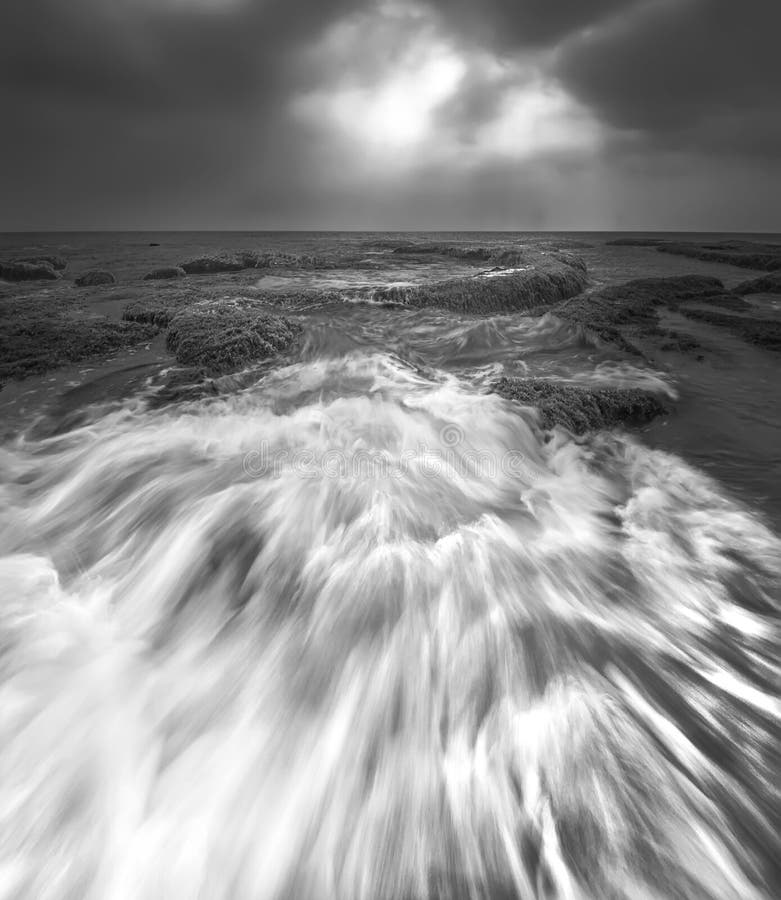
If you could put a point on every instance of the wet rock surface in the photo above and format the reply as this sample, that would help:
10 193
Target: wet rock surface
164 273
745 254
222 338
540 281
95 278
767 284
623 313
580 409
38 335
28 270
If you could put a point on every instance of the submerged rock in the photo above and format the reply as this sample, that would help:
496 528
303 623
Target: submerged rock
581 409
767 284
165 272
28 271
95 278
225 338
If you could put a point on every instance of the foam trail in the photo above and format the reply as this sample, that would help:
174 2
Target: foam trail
362 634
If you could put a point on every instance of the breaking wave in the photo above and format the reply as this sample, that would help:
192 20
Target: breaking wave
363 631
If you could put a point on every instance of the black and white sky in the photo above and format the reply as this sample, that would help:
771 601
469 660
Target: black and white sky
391 114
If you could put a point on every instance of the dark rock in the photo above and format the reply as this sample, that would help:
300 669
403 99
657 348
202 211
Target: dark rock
59 263
767 284
95 278
546 280
165 272
237 262
635 242
210 265
153 244
221 338
764 333
28 271
618 313
38 334
746 254
581 409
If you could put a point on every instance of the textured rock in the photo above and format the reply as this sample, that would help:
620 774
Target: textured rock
165 272
767 284
618 313
95 278
544 281
28 271
221 338
581 409
59 263
38 334
764 333
746 254
635 242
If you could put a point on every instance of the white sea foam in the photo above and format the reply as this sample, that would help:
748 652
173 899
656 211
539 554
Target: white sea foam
228 681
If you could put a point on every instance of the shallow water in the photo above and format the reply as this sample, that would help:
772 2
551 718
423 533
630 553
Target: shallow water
361 630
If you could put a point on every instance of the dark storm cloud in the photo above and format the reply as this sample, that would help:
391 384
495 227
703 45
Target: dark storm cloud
147 111
156 53
513 24
693 72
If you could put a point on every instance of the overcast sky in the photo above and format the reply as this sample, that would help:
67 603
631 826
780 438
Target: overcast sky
517 114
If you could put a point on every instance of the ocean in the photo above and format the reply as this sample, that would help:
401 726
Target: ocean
357 627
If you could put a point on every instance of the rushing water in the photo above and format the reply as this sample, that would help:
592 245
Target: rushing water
363 630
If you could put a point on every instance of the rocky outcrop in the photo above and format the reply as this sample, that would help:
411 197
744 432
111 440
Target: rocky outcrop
581 409
28 271
746 254
239 261
544 280
211 265
618 313
165 272
768 284
58 263
765 333
635 242
95 278
222 338
38 334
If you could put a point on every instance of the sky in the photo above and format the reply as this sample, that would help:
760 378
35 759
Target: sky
391 114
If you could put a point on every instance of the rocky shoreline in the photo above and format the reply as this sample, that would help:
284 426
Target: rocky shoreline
213 325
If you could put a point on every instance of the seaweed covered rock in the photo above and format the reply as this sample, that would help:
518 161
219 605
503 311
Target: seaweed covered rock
210 265
18 270
250 259
58 263
165 272
767 284
746 254
545 282
764 333
581 409
222 338
636 242
39 334
95 278
618 312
